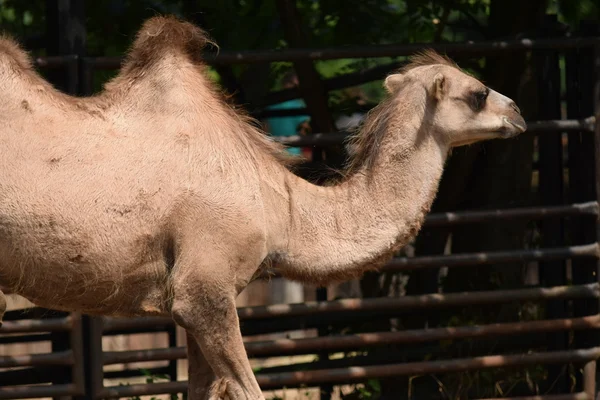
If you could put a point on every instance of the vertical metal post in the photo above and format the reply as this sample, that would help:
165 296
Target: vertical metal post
325 390
76 341
582 181
552 273
65 29
596 61
86 76
93 358
172 368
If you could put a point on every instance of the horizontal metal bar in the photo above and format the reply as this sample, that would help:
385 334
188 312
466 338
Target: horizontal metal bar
568 396
136 373
37 325
418 302
338 343
485 258
179 387
353 374
466 217
395 50
315 139
55 61
282 347
112 324
573 125
31 392
32 338
115 392
56 358
379 304
225 57
30 375
131 356
338 138
142 329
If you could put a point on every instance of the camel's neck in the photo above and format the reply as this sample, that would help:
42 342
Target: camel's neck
338 232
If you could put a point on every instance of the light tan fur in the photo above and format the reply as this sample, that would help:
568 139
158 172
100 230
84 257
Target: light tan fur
156 197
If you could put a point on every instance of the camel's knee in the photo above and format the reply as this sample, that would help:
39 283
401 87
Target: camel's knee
202 305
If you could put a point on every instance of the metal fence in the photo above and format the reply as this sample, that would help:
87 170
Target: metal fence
75 367
63 367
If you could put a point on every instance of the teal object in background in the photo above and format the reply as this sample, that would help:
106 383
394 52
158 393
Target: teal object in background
288 125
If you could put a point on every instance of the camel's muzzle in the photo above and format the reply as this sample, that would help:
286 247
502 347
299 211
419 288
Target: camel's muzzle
513 125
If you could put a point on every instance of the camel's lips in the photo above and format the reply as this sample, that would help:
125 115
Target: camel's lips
513 128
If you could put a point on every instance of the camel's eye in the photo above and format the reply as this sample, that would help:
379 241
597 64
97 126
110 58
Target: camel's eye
478 99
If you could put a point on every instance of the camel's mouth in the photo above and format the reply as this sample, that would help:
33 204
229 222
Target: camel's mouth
485 136
513 127
507 134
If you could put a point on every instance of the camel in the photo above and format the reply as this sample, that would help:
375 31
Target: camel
158 197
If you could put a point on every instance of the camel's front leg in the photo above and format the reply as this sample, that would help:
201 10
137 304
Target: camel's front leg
202 381
204 305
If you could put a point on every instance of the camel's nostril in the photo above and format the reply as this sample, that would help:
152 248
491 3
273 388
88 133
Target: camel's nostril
514 106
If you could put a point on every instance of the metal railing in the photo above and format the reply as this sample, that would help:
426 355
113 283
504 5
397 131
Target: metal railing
15 324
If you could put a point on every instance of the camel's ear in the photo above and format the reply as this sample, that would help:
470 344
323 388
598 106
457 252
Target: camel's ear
439 86
393 82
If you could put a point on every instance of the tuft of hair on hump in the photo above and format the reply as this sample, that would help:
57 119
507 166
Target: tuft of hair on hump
16 55
162 35
427 57
168 35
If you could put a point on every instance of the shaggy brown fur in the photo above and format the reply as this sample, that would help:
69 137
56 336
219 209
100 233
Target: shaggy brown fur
156 197
161 35
425 58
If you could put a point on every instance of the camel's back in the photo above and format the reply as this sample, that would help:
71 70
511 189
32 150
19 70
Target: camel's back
75 164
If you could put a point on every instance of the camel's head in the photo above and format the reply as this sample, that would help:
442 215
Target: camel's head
461 108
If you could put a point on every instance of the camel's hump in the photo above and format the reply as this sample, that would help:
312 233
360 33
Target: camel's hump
167 34
16 56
